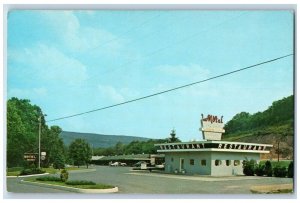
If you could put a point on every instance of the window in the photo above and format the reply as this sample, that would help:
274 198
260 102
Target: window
218 162
172 159
236 162
228 162
203 162
192 161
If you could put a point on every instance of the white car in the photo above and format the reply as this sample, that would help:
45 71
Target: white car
122 164
114 164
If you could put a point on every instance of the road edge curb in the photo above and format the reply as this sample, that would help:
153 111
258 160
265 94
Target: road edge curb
71 189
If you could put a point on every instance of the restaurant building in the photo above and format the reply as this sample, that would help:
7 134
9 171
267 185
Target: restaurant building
212 156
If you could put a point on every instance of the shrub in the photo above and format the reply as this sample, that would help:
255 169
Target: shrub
268 169
259 169
64 175
49 178
290 172
80 182
280 171
30 171
248 167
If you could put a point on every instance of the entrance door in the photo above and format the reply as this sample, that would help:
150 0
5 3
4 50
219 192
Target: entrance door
181 164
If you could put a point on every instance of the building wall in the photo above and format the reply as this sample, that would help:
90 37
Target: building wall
193 162
172 162
234 161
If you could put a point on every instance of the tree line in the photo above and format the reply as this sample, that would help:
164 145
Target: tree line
135 147
280 112
22 137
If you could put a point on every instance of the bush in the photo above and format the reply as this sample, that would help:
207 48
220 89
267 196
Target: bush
49 178
259 170
248 167
64 175
290 172
280 171
268 169
30 171
80 182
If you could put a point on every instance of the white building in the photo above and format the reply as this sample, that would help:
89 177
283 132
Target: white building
210 156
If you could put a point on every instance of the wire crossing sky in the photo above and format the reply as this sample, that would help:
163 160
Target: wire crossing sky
70 61
169 90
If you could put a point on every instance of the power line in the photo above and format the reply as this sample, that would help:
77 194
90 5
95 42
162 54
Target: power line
172 89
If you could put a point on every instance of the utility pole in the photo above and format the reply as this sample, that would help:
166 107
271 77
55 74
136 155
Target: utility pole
40 131
278 151
40 124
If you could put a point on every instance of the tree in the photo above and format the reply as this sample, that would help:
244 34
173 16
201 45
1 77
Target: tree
290 172
53 145
173 137
59 161
119 148
268 169
249 167
80 152
22 133
22 129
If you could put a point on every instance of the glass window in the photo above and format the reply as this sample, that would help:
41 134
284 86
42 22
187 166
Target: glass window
192 161
218 162
236 162
203 162
228 162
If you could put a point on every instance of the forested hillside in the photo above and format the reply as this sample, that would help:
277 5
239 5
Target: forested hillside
99 140
274 125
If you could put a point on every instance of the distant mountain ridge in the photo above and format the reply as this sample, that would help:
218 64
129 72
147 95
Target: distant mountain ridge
99 140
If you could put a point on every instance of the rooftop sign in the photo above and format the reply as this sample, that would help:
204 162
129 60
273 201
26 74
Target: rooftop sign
212 127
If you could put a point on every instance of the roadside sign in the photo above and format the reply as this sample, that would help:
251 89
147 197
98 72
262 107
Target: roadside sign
43 157
43 153
30 156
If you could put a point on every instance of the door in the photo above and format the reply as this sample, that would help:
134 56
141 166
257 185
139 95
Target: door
181 167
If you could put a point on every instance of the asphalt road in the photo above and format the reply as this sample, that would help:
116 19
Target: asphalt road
144 182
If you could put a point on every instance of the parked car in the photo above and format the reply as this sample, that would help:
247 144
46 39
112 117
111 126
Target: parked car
138 164
114 164
160 166
122 164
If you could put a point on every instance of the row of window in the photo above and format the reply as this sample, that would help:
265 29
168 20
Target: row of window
227 162
217 162
202 163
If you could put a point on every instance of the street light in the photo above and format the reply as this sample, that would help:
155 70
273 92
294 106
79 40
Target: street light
40 129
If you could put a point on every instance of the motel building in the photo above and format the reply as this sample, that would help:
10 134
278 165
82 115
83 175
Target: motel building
212 156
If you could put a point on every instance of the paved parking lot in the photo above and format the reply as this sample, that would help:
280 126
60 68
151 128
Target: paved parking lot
144 182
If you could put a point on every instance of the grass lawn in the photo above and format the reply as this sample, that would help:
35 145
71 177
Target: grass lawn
15 171
97 186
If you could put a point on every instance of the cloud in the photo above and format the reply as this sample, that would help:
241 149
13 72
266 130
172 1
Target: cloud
79 38
28 93
193 71
111 93
50 65
118 95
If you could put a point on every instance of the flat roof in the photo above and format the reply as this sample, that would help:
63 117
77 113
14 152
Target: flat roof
213 146
214 141
215 150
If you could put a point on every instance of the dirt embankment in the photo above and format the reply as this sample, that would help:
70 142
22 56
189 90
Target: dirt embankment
286 145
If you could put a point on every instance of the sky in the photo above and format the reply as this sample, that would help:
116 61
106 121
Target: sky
68 62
